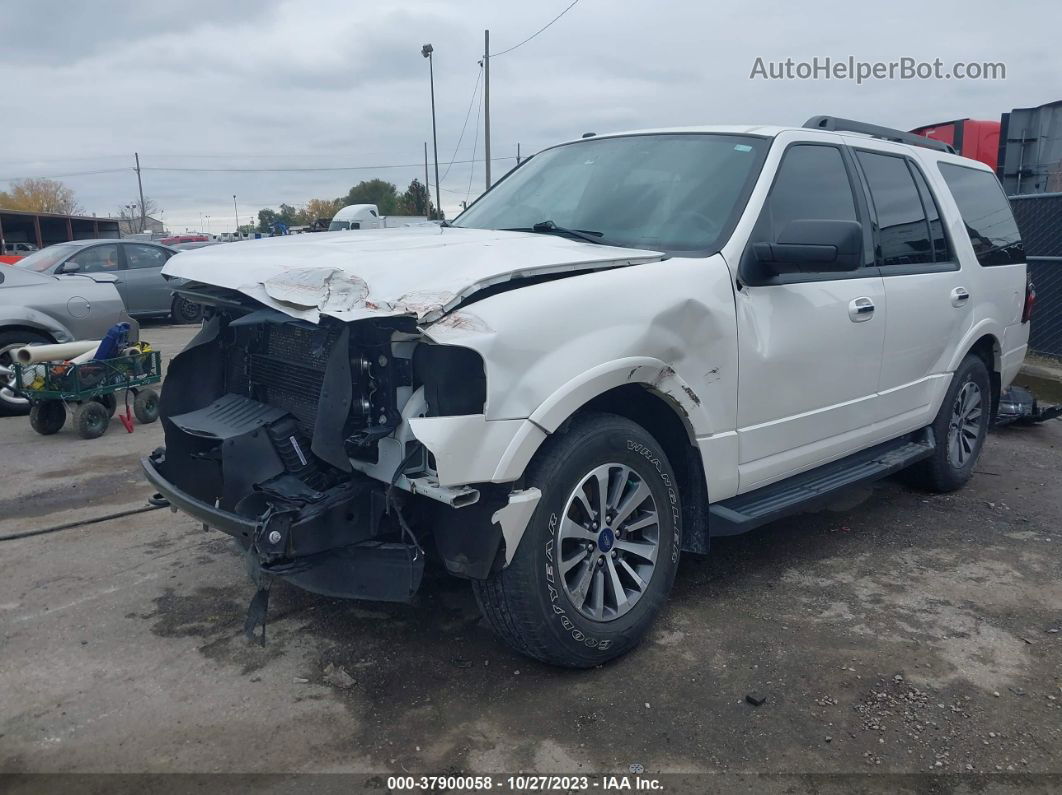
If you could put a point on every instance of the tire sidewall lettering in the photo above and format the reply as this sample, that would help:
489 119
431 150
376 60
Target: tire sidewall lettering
568 626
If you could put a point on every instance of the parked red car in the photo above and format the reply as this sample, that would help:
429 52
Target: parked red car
174 239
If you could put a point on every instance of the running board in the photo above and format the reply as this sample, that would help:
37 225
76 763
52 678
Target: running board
747 511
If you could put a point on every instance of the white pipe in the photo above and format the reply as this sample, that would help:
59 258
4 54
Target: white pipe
54 353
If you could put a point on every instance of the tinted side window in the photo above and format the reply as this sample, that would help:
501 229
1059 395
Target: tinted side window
941 249
96 259
811 184
137 257
986 214
902 227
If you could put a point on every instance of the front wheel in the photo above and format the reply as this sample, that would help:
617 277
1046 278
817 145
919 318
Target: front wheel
960 429
600 553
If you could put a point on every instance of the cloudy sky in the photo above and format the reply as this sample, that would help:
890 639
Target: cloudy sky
198 87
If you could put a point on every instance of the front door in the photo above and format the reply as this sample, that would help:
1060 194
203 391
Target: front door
809 341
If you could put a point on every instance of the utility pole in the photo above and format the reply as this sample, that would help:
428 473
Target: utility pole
427 185
486 103
140 185
427 51
237 213
517 153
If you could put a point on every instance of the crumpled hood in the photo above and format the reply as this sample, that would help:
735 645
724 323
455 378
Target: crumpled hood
421 271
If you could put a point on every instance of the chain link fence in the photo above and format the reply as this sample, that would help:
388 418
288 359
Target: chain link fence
1039 217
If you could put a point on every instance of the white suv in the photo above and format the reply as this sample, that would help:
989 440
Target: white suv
630 344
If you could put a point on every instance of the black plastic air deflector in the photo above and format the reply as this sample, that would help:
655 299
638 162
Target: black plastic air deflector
228 416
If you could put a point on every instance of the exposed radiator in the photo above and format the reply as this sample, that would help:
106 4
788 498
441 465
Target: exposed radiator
290 371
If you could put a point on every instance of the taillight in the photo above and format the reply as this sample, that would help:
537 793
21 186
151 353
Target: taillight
1030 301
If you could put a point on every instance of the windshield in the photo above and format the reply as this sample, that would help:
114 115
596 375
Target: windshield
670 192
44 259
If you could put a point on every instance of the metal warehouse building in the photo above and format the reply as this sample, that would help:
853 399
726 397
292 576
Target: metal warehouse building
44 229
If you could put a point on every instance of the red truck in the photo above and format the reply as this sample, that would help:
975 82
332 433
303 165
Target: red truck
974 138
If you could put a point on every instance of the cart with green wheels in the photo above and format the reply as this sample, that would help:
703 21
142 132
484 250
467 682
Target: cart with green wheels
89 390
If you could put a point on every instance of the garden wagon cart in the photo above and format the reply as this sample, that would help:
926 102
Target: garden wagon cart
90 388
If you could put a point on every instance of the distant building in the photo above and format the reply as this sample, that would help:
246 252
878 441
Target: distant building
44 229
131 226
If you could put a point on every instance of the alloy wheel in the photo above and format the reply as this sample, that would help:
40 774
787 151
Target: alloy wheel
608 542
964 428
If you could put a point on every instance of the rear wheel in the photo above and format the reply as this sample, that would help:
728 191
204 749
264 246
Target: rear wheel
47 416
599 556
146 406
185 311
109 402
959 429
10 341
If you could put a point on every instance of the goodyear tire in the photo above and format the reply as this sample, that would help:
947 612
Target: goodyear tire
960 429
582 590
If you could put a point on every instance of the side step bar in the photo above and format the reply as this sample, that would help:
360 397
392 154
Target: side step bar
746 511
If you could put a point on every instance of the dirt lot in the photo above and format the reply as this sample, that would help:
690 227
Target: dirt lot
896 632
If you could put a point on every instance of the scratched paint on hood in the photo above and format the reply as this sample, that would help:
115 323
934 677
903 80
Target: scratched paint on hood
422 272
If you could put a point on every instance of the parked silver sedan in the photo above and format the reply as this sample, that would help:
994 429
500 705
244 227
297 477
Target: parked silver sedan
41 308
137 266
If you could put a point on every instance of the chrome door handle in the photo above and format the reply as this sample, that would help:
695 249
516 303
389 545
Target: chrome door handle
959 297
860 310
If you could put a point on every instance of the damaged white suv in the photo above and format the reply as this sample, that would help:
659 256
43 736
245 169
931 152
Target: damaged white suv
630 344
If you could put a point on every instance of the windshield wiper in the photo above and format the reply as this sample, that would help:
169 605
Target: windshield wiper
550 228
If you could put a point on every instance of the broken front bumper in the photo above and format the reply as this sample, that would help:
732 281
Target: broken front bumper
328 547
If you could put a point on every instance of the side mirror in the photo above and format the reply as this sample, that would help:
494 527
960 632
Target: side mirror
813 246
70 267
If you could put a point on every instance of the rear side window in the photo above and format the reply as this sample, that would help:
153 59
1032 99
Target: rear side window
985 214
903 228
137 257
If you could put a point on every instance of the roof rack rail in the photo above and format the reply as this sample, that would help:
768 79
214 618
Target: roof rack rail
834 123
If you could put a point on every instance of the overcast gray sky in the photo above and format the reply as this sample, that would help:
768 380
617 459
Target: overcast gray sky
258 84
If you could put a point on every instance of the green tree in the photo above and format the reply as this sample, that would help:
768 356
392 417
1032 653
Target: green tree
289 215
416 201
373 191
266 219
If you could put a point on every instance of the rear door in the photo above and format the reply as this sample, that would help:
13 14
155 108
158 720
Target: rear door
926 290
146 292
809 342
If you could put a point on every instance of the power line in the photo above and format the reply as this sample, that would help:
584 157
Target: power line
464 126
72 174
299 169
176 169
475 140
540 30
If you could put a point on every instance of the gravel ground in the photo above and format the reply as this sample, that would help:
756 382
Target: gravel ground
893 633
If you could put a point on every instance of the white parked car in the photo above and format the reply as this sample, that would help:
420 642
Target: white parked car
631 344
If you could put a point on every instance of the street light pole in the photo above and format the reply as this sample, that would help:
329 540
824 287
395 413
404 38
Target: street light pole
426 51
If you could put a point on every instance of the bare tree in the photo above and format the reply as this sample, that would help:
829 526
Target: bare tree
130 217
